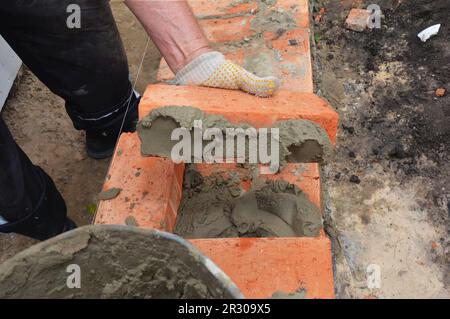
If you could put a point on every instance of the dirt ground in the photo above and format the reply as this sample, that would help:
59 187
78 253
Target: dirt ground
388 181
40 125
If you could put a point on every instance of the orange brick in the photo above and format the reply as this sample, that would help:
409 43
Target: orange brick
295 68
263 266
207 8
299 10
239 107
291 63
227 30
290 59
357 19
440 92
151 188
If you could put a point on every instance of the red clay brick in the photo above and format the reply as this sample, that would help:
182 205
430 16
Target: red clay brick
290 58
239 107
151 188
299 10
357 20
263 266
227 30
289 54
151 194
208 8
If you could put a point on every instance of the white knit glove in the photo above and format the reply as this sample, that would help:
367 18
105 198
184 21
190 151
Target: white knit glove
213 70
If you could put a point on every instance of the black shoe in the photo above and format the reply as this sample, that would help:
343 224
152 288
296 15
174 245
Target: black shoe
70 225
48 219
100 144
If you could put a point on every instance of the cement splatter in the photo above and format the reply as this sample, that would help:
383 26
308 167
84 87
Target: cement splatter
109 193
131 221
273 21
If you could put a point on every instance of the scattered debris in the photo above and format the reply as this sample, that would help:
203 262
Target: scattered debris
357 20
434 245
349 129
398 151
319 15
440 92
355 179
79 156
109 194
429 32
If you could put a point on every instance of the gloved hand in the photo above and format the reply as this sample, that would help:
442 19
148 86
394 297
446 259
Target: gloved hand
213 70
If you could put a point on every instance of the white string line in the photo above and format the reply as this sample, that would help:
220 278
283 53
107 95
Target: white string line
126 113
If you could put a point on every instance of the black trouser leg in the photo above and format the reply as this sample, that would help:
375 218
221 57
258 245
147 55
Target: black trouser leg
20 185
29 200
87 67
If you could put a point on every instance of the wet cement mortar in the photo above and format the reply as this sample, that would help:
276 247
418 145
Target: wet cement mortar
109 193
217 206
115 262
388 180
299 140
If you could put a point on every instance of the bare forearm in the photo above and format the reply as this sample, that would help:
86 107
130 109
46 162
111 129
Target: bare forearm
173 28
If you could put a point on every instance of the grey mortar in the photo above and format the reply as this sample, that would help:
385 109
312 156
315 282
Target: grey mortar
214 207
300 140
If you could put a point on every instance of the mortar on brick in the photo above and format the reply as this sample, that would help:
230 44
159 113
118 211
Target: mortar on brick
299 140
217 206
267 18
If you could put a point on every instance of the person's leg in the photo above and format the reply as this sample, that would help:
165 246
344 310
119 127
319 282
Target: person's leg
29 202
86 66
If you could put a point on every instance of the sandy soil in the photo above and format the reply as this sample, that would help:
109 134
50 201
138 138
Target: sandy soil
388 181
39 123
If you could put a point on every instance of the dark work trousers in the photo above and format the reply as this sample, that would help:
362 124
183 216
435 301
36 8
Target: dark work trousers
86 66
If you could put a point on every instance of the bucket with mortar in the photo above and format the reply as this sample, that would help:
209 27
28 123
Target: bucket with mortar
114 262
